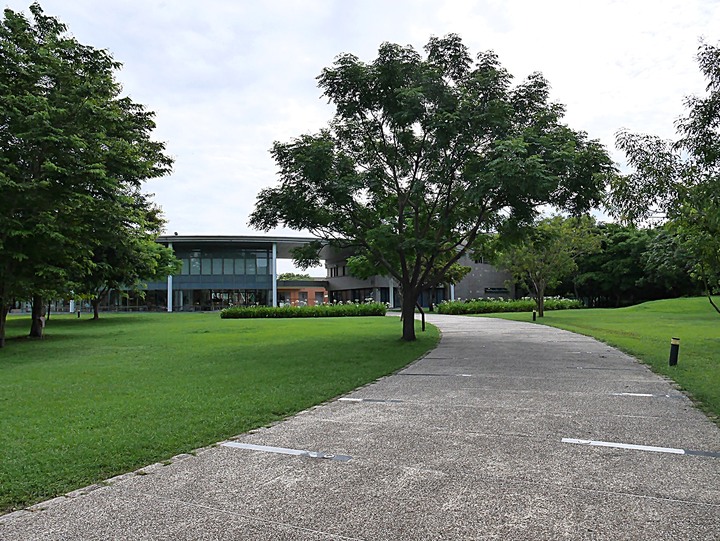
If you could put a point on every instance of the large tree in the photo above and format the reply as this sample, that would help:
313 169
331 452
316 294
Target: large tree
679 181
70 147
423 156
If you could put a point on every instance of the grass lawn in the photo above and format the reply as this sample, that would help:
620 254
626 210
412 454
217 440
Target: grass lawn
645 330
98 398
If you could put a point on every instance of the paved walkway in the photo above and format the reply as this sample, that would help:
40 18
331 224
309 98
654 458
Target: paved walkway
475 441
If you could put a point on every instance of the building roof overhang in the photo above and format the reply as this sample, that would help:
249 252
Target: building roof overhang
284 244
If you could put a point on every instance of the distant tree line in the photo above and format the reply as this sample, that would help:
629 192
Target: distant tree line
632 265
602 264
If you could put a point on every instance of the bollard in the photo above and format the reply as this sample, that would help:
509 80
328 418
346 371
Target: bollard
78 314
534 315
674 351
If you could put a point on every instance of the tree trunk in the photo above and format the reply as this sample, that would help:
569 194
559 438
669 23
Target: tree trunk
540 300
4 309
96 307
709 294
408 316
36 326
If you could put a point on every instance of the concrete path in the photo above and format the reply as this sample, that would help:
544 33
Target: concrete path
475 441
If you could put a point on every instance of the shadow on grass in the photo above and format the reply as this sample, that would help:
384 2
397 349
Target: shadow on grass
61 329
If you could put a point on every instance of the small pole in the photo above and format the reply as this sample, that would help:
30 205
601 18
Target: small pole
422 315
534 315
674 351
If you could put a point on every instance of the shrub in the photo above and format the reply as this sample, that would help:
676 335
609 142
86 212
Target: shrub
323 310
489 306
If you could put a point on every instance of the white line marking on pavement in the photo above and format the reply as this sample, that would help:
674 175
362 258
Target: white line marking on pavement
650 448
648 395
374 400
285 451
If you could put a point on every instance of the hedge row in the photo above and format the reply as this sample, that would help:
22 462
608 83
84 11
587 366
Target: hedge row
324 310
489 306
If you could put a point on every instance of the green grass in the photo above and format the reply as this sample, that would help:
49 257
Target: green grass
98 398
645 330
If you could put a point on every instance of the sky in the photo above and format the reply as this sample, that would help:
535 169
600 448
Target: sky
227 78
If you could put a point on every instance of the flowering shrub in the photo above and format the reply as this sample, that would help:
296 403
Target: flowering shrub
348 309
489 306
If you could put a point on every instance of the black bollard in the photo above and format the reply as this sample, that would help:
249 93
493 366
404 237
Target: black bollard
534 315
674 351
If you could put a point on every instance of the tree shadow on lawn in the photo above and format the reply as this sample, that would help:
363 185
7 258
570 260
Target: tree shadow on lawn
63 328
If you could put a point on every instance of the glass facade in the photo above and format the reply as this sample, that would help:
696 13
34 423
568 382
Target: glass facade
213 276
216 276
215 273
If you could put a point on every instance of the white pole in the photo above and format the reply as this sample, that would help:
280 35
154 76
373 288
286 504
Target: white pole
169 287
452 292
274 274
392 293
169 294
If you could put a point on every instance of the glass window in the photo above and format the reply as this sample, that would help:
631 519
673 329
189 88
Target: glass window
227 266
250 264
206 265
239 266
217 266
262 264
194 265
185 266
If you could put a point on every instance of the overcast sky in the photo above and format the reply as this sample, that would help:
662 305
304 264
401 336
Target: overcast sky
227 78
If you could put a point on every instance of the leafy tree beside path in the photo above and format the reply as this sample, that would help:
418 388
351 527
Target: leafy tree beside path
423 156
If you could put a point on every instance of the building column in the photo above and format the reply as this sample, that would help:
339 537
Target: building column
274 275
169 287
452 292
392 293
169 294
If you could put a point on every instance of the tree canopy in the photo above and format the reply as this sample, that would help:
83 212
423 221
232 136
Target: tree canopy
679 181
424 155
73 156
